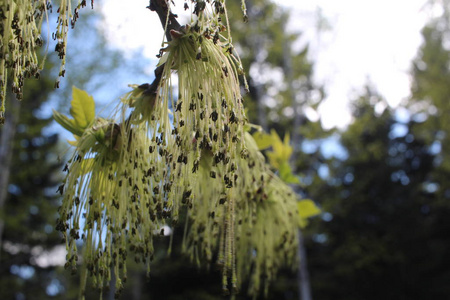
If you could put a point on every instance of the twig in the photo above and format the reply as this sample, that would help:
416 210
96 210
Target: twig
161 8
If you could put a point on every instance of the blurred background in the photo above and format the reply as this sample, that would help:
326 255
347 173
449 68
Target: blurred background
363 89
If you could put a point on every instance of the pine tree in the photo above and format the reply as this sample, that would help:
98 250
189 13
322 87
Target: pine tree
30 209
429 103
376 241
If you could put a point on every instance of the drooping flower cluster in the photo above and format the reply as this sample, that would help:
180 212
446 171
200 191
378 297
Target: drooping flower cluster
184 145
20 28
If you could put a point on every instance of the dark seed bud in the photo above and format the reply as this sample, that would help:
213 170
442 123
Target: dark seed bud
214 116
179 105
60 189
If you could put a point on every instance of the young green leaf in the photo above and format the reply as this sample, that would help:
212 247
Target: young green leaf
285 173
68 124
306 209
83 107
263 140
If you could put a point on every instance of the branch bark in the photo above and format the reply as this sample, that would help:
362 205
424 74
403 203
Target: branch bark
161 7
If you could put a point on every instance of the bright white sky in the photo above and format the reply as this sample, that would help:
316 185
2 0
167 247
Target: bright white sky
367 41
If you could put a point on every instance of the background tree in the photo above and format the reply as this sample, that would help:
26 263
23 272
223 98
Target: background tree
29 211
281 85
386 203
429 103
377 224
279 76
386 206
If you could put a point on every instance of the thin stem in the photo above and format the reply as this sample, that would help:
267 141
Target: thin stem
162 9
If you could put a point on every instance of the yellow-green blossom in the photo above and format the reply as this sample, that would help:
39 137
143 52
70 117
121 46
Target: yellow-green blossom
20 28
170 146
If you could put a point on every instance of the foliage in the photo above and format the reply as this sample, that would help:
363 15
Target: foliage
82 110
429 102
383 227
279 78
279 159
30 210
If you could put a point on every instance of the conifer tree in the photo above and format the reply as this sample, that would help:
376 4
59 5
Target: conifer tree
381 218
30 208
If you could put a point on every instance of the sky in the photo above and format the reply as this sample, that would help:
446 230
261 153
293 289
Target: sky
360 42
366 42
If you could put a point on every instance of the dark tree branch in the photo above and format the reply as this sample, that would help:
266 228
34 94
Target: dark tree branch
161 8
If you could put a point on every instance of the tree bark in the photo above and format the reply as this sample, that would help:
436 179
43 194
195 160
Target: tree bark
161 7
137 285
256 89
304 287
7 133
303 274
296 106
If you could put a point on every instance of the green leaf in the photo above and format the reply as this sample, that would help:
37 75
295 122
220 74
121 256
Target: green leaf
286 174
282 149
306 209
83 108
263 140
68 124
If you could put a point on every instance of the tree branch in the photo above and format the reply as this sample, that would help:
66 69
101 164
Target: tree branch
161 8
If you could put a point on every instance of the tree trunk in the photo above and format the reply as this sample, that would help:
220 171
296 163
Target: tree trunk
303 275
137 285
7 132
112 286
296 106
304 287
256 89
